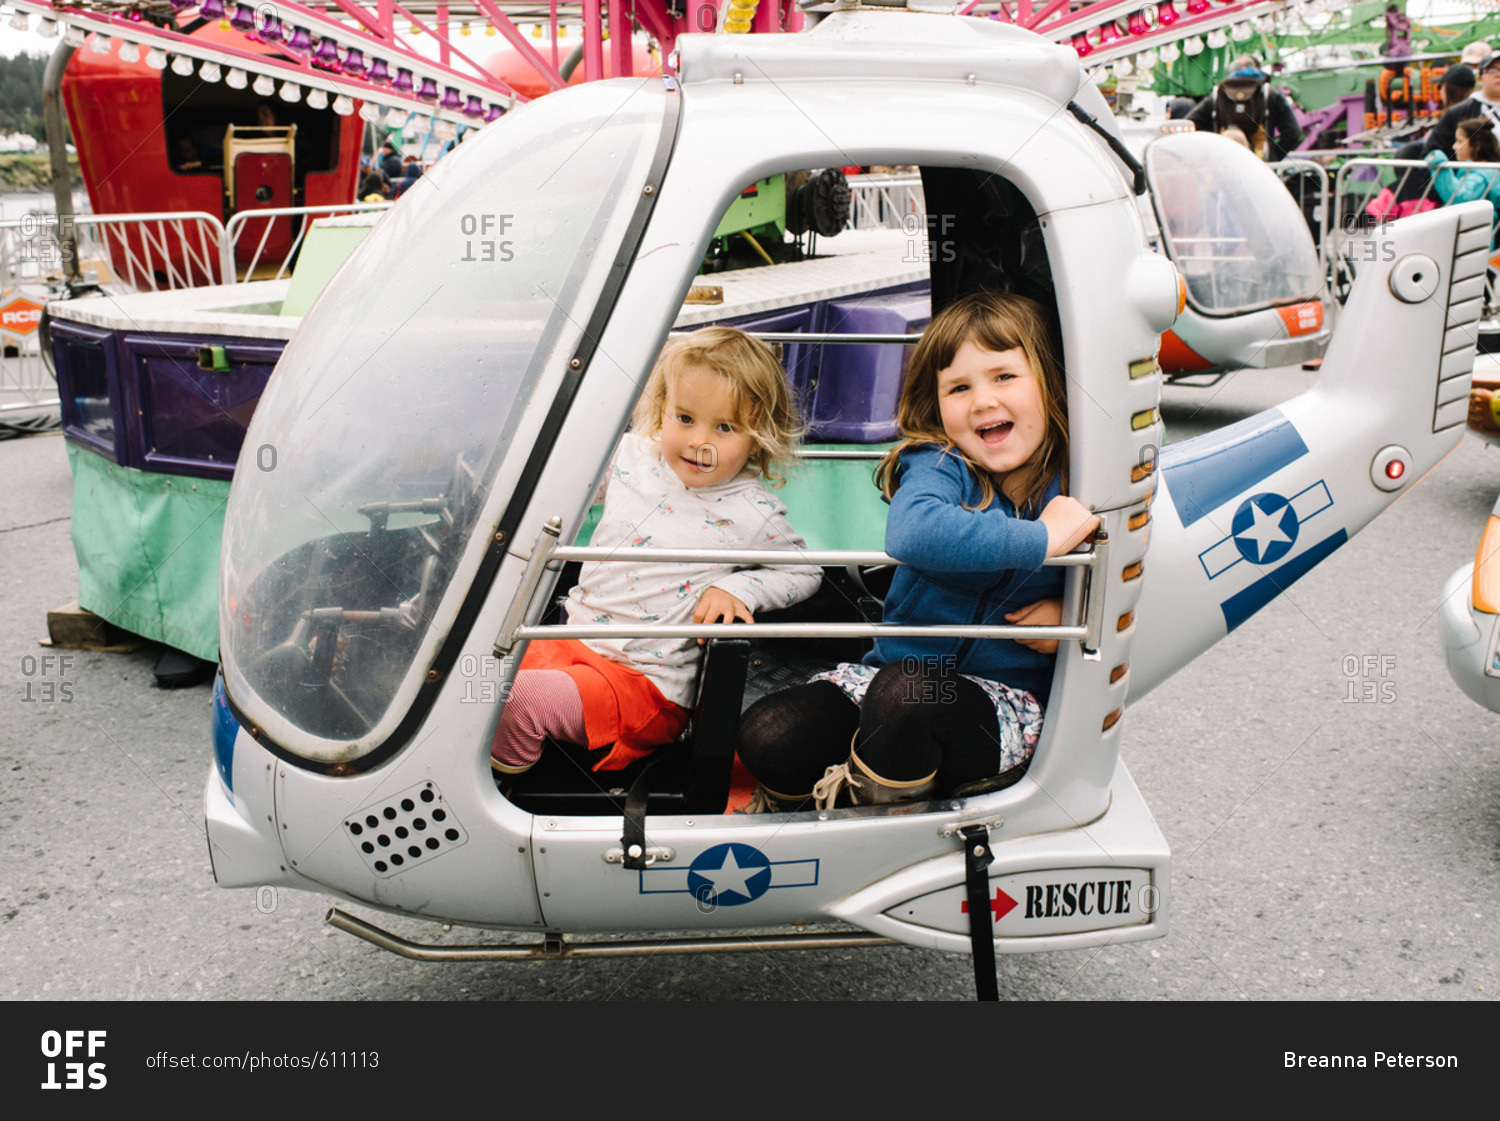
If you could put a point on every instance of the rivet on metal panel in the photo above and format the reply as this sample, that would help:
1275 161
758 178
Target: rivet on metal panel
739 78
576 364
648 190
433 675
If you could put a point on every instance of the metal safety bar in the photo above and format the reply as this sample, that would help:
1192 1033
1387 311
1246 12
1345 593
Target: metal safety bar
800 337
760 556
520 623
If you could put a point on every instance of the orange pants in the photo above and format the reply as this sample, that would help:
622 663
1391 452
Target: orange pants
621 706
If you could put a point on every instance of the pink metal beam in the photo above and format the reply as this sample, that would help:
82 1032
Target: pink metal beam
657 22
513 34
620 54
381 26
593 42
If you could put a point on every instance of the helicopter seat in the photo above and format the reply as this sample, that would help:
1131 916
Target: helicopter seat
689 776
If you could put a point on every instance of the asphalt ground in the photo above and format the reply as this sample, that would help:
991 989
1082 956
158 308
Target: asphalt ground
1323 850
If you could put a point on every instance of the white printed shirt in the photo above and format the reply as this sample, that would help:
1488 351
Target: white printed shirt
647 506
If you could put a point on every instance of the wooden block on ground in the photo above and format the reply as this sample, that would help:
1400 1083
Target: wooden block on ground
72 628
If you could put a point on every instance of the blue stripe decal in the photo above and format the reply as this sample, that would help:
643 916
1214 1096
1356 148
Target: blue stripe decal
1207 471
225 729
1243 604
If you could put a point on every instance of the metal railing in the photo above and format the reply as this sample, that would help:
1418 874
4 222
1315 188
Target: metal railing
146 252
236 230
1352 237
521 621
887 202
125 253
1321 211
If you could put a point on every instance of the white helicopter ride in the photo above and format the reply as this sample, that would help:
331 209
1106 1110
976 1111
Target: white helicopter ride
445 412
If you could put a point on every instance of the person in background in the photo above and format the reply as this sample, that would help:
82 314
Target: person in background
1475 53
265 115
1474 143
1269 112
1457 85
1179 108
390 162
412 174
372 183
1485 101
188 158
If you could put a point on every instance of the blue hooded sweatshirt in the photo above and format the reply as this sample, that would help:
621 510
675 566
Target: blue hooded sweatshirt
964 566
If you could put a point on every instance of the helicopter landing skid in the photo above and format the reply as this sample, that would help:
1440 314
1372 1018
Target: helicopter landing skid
553 947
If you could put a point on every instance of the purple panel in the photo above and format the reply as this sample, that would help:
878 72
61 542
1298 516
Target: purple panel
88 384
854 395
192 421
798 359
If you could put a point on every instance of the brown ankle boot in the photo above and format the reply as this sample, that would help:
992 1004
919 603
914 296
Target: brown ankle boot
767 801
863 787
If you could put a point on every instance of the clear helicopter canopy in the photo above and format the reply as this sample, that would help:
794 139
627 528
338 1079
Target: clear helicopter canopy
1239 246
396 404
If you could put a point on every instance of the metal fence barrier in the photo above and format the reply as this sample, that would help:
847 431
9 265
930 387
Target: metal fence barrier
123 254
1354 233
886 202
240 228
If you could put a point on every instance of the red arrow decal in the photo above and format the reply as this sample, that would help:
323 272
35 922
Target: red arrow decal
1002 905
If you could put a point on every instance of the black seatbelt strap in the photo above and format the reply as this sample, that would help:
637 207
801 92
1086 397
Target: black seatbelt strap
977 860
633 839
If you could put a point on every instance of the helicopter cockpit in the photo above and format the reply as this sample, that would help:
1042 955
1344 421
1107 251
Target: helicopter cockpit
344 560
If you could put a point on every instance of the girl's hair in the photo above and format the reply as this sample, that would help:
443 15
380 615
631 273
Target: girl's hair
1480 133
763 402
995 322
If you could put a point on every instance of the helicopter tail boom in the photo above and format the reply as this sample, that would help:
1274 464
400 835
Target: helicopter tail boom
1252 507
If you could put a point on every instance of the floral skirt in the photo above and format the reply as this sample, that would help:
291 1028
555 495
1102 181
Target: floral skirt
1019 712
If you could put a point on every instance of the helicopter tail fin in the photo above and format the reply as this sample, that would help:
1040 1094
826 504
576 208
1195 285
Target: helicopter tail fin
1257 504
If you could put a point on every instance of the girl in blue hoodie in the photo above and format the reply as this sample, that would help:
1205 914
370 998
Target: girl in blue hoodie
977 494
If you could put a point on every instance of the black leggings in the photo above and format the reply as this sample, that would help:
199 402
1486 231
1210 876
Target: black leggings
916 719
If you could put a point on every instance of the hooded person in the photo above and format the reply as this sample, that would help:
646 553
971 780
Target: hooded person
1245 100
413 173
390 162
